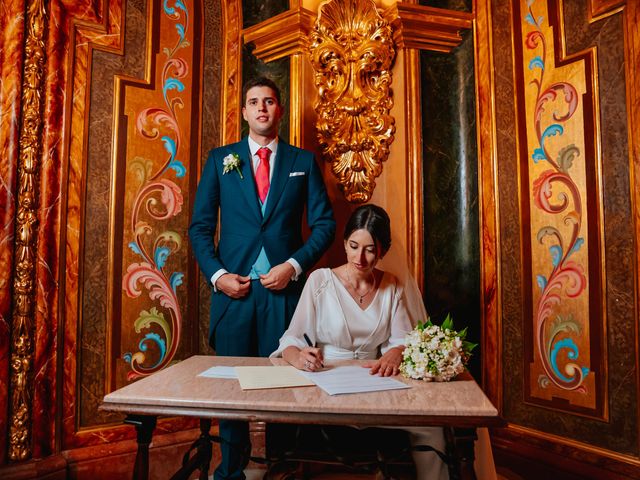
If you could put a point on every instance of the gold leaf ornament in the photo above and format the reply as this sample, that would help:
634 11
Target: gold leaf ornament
351 50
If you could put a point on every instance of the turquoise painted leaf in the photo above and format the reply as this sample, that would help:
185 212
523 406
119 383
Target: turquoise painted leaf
160 256
577 246
127 357
170 146
172 84
540 20
585 371
542 281
181 5
551 130
529 19
538 154
556 254
159 341
175 280
180 29
573 354
179 168
135 248
536 62
167 9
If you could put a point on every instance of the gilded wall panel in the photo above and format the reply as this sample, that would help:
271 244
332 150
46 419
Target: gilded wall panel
619 433
560 197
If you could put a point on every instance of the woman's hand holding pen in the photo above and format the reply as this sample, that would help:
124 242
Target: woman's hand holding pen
310 359
307 358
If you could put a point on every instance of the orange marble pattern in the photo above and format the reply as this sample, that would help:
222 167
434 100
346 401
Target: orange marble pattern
232 75
12 31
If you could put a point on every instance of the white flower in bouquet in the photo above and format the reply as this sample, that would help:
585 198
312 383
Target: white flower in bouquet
435 353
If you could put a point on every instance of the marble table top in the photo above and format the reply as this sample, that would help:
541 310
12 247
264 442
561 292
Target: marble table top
178 390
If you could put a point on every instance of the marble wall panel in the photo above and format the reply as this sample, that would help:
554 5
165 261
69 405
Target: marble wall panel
92 338
100 28
211 130
11 39
451 209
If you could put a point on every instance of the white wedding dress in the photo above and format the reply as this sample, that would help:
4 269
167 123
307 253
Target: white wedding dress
335 322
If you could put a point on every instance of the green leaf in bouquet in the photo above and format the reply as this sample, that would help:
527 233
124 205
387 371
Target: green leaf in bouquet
468 346
448 323
463 333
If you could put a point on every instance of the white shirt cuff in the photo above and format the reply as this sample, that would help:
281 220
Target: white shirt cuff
296 266
216 276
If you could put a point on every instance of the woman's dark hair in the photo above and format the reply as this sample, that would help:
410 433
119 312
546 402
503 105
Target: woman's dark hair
260 82
374 220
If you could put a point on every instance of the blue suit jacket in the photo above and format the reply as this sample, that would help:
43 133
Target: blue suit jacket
296 183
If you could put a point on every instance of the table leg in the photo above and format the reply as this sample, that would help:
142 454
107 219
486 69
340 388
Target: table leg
145 425
201 459
205 449
460 446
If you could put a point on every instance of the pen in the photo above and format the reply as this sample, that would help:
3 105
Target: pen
306 337
308 340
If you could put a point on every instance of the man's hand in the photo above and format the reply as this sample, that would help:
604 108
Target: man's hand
278 277
233 285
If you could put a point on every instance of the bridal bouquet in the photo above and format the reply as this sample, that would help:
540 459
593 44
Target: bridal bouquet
435 353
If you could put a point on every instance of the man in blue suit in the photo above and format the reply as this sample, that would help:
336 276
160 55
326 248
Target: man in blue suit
260 187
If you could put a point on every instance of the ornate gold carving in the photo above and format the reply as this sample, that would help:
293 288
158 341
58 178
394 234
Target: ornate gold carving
280 36
231 71
427 28
351 51
22 331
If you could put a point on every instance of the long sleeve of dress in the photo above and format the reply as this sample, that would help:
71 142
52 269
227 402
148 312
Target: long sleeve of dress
400 322
303 321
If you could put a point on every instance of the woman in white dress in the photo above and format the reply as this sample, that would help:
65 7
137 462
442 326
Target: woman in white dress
357 311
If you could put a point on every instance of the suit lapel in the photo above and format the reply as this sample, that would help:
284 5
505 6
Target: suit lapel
284 161
248 182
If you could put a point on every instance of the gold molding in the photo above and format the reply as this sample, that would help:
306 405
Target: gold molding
490 281
584 450
280 36
600 9
413 118
22 326
427 28
351 50
231 71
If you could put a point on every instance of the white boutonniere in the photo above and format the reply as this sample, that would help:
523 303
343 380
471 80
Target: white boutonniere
231 162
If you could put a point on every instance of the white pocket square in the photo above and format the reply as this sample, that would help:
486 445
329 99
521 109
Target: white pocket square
296 174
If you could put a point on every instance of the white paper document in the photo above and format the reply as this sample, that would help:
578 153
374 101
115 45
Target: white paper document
219 372
252 378
352 379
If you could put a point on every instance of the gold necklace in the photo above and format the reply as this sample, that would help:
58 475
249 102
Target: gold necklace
356 290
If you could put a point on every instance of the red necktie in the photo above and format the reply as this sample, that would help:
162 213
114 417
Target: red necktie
262 173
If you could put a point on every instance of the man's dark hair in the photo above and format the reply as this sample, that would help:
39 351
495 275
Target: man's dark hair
260 82
373 219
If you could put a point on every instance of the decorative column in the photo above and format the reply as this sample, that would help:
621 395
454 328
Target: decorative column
22 324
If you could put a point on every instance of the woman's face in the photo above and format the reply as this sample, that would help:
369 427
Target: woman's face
362 252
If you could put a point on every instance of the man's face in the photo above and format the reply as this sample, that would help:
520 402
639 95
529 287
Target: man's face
262 111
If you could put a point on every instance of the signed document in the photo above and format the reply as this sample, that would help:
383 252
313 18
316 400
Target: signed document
253 378
352 379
